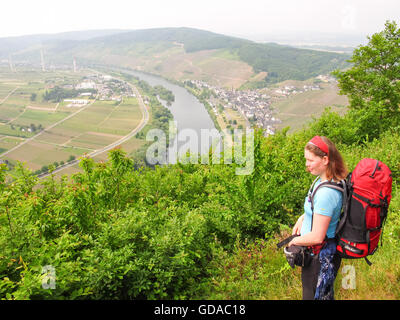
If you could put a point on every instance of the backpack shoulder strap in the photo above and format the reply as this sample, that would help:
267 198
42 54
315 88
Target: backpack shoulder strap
347 191
340 186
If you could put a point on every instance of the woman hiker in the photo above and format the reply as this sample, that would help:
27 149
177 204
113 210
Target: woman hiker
318 227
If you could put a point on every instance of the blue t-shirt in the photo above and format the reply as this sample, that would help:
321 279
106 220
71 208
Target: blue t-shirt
328 202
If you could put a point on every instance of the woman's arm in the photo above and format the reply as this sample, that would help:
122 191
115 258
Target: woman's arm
317 234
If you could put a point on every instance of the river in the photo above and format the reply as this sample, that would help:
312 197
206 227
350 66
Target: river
189 113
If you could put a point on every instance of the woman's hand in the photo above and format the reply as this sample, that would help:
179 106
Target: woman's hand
297 226
317 234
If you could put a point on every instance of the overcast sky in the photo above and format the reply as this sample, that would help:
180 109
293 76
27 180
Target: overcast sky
231 17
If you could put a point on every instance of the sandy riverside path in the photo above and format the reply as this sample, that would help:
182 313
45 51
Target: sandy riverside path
142 124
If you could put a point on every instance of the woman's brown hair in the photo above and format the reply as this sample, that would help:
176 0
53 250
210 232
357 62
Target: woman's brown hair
337 169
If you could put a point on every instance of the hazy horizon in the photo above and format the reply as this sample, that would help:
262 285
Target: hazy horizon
299 38
255 20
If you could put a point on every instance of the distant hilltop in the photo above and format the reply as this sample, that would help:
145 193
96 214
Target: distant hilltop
174 53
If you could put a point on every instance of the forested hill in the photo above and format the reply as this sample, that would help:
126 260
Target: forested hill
183 53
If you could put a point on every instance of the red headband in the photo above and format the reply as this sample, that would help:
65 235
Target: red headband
317 141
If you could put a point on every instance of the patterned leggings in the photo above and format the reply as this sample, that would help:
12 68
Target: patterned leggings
318 277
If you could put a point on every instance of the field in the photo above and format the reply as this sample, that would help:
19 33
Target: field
40 132
298 109
228 116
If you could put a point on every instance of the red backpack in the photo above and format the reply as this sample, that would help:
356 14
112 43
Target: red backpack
367 192
366 199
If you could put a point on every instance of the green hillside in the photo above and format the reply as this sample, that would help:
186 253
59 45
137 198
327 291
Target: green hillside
283 63
193 39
